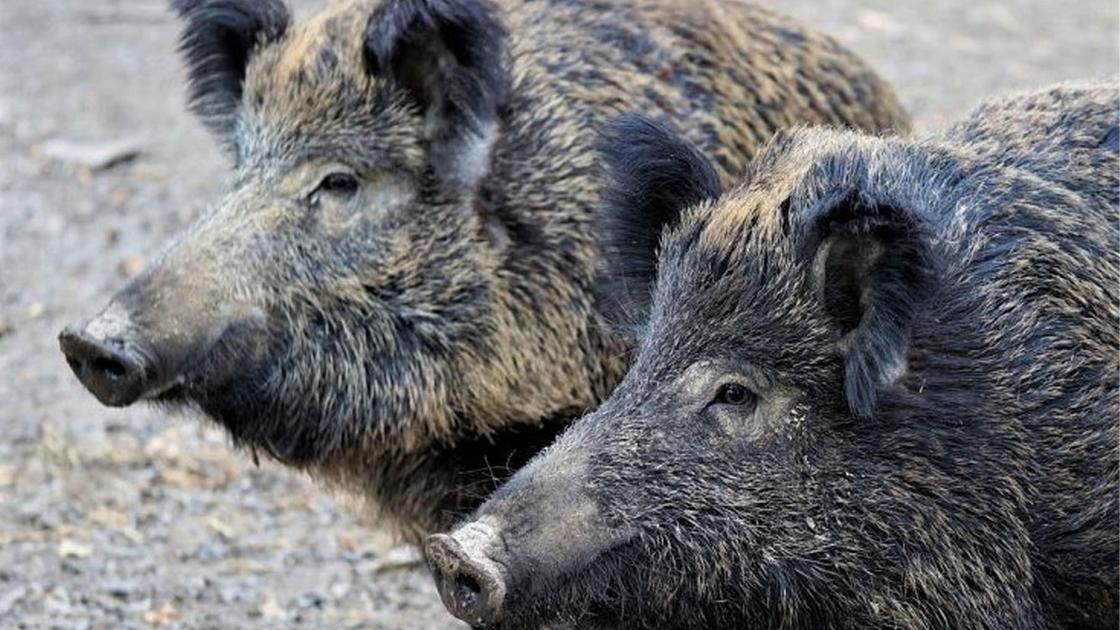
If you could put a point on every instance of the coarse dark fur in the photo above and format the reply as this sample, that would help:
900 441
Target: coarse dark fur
876 387
396 294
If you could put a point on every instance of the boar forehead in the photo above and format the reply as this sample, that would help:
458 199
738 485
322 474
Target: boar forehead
732 280
743 302
309 94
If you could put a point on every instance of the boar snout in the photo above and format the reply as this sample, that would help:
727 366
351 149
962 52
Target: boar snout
108 361
534 532
152 335
469 581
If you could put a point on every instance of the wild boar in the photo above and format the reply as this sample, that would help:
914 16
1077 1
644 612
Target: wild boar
875 387
396 293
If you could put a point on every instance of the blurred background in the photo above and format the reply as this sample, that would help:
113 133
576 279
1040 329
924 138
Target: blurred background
130 519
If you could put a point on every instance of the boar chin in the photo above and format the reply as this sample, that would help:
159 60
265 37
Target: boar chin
270 421
233 382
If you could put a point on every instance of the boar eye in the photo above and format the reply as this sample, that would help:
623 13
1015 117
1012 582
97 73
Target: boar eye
734 394
342 185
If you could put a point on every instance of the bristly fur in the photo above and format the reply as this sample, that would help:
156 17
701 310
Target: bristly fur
218 38
653 175
961 473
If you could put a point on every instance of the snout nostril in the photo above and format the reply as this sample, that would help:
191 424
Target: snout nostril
467 589
110 367
469 586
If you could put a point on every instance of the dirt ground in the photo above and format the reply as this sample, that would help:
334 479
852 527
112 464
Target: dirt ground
128 519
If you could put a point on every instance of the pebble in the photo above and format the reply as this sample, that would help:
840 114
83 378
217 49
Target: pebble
397 558
121 589
91 154
130 266
210 550
72 549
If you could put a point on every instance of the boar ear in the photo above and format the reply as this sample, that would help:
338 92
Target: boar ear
449 57
874 270
218 38
653 175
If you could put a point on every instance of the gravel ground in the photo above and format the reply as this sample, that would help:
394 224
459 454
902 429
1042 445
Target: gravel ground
126 518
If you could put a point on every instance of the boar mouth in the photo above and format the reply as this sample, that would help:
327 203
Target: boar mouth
257 417
193 370
207 365
593 589
121 364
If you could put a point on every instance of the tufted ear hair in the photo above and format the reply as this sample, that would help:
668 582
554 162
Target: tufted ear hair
874 269
449 57
218 38
653 175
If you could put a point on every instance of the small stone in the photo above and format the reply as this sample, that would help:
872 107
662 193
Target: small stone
91 154
130 266
210 550
223 529
310 600
162 616
153 173
119 196
270 608
121 589
230 595
397 558
878 21
340 589
57 600
74 549
348 543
